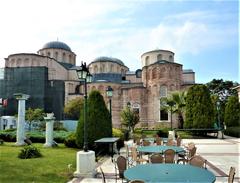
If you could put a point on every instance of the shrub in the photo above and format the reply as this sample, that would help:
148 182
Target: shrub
99 123
232 112
118 133
8 136
233 131
199 108
163 132
70 141
29 152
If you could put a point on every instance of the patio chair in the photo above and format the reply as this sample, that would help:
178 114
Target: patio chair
158 141
185 157
146 143
137 181
198 161
136 158
179 141
231 174
120 167
156 158
169 156
170 142
103 175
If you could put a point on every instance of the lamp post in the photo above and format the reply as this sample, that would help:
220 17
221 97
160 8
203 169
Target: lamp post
84 76
218 114
109 92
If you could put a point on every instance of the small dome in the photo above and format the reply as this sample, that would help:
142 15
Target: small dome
108 59
57 45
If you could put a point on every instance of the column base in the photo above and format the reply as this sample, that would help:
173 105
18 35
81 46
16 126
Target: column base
20 143
48 145
85 164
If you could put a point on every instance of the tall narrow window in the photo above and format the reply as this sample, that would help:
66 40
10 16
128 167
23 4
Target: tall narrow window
159 57
163 112
147 60
170 58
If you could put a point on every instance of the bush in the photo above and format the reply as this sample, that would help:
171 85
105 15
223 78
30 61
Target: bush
8 136
70 141
118 133
29 152
233 131
163 132
232 112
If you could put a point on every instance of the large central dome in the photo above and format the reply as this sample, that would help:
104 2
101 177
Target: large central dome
57 45
108 59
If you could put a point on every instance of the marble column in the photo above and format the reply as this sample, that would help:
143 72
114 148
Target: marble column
49 129
21 118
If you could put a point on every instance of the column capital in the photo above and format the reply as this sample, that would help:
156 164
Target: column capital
21 96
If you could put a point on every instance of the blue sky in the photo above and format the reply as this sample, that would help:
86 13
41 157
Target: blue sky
202 34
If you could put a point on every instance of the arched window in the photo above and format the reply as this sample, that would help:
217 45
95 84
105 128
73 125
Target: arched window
159 57
95 70
170 58
56 55
103 68
163 91
49 54
111 68
147 60
154 73
64 57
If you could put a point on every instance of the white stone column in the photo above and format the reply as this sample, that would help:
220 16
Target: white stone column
21 118
85 164
49 129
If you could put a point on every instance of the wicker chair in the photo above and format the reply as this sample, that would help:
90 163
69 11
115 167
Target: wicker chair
146 143
170 142
184 158
120 167
198 161
158 141
179 141
103 176
169 156
231 175
156 158
136 158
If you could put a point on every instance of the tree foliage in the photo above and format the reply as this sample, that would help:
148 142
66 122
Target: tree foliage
199 108
34 115
223 89
129 118
232 112
99 123
72 108
178 102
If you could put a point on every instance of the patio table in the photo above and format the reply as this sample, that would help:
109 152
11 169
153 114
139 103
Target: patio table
108 140
152 173
159 149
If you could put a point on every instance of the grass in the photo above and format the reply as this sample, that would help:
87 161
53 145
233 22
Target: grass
52 167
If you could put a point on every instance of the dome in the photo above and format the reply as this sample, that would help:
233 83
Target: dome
57 45
108 59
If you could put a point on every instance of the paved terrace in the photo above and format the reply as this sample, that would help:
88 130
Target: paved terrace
220 154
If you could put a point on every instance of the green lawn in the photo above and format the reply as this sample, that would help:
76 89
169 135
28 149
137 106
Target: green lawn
52 167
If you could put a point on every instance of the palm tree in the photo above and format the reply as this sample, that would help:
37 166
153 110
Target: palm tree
175 103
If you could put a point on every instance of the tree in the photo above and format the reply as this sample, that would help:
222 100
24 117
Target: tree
220 91
72 108
175 103
199 108
223 89
232 112
129 118
98 123
34 115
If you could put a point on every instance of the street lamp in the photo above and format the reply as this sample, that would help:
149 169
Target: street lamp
84 76
109 92
218 113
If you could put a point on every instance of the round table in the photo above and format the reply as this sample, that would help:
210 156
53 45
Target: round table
159 149
169 173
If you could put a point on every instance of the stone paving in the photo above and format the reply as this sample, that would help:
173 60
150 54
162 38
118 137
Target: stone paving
220 154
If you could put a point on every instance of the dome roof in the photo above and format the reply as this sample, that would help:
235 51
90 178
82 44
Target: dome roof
57 45
108 59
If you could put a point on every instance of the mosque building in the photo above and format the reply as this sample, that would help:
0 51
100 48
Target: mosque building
50 78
